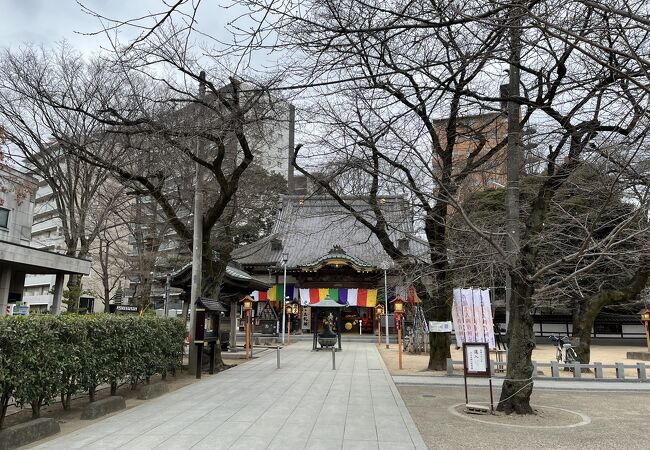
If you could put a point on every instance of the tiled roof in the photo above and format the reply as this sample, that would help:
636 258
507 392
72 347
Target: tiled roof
327 302
213 305
308 228
337 253
233 275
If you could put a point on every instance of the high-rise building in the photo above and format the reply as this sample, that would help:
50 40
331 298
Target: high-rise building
18 258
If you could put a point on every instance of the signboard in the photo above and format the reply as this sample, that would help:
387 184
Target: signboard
472 316
476 359
265 311
306 318
9 309
126 309
440 327
22 310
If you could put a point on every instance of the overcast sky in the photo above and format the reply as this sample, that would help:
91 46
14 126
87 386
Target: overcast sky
48 21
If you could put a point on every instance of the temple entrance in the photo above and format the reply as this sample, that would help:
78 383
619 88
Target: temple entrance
357 320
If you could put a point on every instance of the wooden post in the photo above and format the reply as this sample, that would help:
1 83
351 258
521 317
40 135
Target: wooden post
247 332
199 359
399 349
399 340
213 345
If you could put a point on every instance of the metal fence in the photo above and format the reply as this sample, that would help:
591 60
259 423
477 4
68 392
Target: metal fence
596 370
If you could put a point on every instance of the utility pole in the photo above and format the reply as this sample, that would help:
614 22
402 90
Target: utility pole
385 265
197 246
513 155
285 259
167 288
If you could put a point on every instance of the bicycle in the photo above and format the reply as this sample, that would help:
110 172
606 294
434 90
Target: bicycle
564 351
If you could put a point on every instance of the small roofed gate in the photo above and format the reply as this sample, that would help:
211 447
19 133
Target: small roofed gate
268 319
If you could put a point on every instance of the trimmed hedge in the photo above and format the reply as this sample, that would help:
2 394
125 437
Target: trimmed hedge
42 356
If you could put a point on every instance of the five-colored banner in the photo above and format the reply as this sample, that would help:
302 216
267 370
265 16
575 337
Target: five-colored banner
352 297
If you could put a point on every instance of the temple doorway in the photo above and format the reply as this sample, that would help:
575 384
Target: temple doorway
357 320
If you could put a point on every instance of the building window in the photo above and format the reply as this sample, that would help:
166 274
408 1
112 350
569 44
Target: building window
4 217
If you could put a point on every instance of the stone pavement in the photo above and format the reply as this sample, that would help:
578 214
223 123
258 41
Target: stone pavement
303 405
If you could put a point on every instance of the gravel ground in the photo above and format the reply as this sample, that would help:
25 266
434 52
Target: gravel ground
585 420
417 364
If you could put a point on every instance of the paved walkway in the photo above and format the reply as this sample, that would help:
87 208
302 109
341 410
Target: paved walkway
304 405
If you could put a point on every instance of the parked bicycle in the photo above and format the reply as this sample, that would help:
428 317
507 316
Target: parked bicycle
564 351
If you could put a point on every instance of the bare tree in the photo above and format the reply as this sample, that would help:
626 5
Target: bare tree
382 75
43 135
385 73
587 209
163 127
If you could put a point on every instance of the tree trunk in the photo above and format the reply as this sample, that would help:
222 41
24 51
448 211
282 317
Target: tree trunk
587 309
518 386
439 307
113 387
582 325
74 292
438 351
65 400
4 404
36 408
234 307
440 310
219 365
91 394
213 272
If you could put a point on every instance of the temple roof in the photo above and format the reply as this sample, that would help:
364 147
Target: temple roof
309 229
212 305
234 278
327 302
338 257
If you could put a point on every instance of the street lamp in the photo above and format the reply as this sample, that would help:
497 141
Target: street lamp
398 305
248 305
386 265
645 318
285 258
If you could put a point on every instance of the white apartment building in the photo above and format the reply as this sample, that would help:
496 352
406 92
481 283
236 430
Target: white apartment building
17 257
46 235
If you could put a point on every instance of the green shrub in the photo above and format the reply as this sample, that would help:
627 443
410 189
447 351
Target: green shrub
42 356
10 329
76 352
39 361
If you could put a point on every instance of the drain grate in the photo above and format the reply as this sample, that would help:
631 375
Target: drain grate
428 396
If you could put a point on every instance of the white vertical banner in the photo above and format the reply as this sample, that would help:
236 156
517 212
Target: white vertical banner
472 316
304 297
457 318
352 297
479 324
468 315
487 318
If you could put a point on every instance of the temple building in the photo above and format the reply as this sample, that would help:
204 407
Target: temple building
328 253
